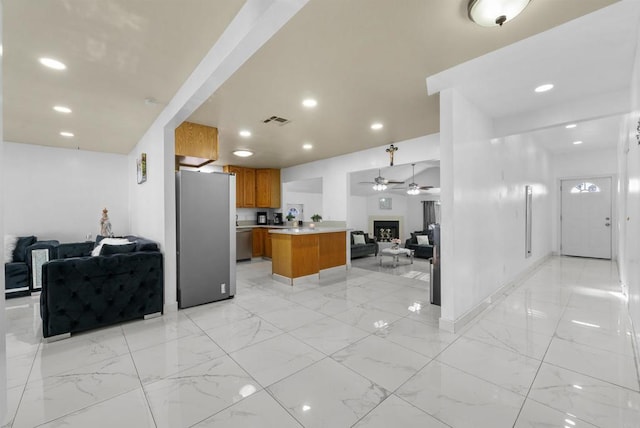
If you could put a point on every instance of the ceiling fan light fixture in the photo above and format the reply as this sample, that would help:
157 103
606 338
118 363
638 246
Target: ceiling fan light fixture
413 191
379 187
493 13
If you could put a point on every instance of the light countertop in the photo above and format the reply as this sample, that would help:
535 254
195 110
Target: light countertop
252 226
308 230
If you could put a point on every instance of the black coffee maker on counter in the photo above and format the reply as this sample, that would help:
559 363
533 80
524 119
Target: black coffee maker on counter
277 218
262 217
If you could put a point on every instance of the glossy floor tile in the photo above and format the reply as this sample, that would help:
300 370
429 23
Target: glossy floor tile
360 348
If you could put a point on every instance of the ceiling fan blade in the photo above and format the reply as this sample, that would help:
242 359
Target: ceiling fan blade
425 187
395 182
367 182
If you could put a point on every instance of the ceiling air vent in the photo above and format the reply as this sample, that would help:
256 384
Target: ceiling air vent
276 120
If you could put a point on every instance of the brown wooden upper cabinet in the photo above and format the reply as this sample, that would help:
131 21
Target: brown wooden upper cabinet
256 187
245 185
196 145
268 188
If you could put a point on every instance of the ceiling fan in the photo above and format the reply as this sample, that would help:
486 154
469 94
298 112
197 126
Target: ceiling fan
414 189
380 183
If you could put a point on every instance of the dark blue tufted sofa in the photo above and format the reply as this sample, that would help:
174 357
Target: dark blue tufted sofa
80 292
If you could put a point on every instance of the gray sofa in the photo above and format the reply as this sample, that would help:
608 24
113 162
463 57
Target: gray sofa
422 251
18 275
370 247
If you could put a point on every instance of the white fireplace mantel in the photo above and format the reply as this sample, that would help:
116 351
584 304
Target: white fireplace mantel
399 219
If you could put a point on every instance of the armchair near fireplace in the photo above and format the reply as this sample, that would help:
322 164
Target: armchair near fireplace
362 245
421 242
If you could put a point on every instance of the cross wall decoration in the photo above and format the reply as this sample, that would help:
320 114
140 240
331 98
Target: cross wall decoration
391 150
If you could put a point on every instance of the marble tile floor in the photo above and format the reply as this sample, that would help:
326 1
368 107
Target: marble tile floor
419 269
356 349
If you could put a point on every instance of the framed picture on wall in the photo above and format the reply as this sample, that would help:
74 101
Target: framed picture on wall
142 168
384 203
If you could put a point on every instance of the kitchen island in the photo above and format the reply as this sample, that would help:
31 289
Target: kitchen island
300 254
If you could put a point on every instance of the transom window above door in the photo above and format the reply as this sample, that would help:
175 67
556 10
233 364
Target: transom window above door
585 187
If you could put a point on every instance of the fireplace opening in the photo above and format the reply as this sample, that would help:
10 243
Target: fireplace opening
386 230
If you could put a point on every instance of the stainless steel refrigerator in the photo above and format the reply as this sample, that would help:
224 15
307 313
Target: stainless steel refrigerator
206 241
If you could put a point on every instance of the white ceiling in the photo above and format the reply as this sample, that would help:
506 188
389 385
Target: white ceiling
589 61
117 52
595 134
364 60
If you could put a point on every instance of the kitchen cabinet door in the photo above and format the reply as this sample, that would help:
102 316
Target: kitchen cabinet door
258 242
267 243
238 171
249 184
268 188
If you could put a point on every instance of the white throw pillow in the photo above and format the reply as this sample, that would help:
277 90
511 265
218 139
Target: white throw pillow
358 239
423 239
108 241
10 242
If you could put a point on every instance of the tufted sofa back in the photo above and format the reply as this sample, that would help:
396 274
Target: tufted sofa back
88 292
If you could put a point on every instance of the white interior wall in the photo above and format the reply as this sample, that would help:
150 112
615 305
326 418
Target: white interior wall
629 200
591 163
60 193
311 202
483 189
398 209
3 325
361 207
335 171
358 217
429 177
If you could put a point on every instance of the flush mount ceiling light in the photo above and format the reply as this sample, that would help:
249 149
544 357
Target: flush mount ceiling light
492 13
376 126
571 126
307 146
62 109
66 134
243 153
575 143
544 88
52 63
310 103
244 133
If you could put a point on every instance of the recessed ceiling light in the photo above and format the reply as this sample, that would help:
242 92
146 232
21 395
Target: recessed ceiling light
52 63
310 102
243 153
66 134
376 126
244 133
62 109
577 142
571 126
544 88
307 146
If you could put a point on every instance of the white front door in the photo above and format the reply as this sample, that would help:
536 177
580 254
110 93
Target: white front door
585 220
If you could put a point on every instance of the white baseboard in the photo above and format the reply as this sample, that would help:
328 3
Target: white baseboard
454 326
334 270
313 278
635 338
170 307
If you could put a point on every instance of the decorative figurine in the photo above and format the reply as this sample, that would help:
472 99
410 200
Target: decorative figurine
105 224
